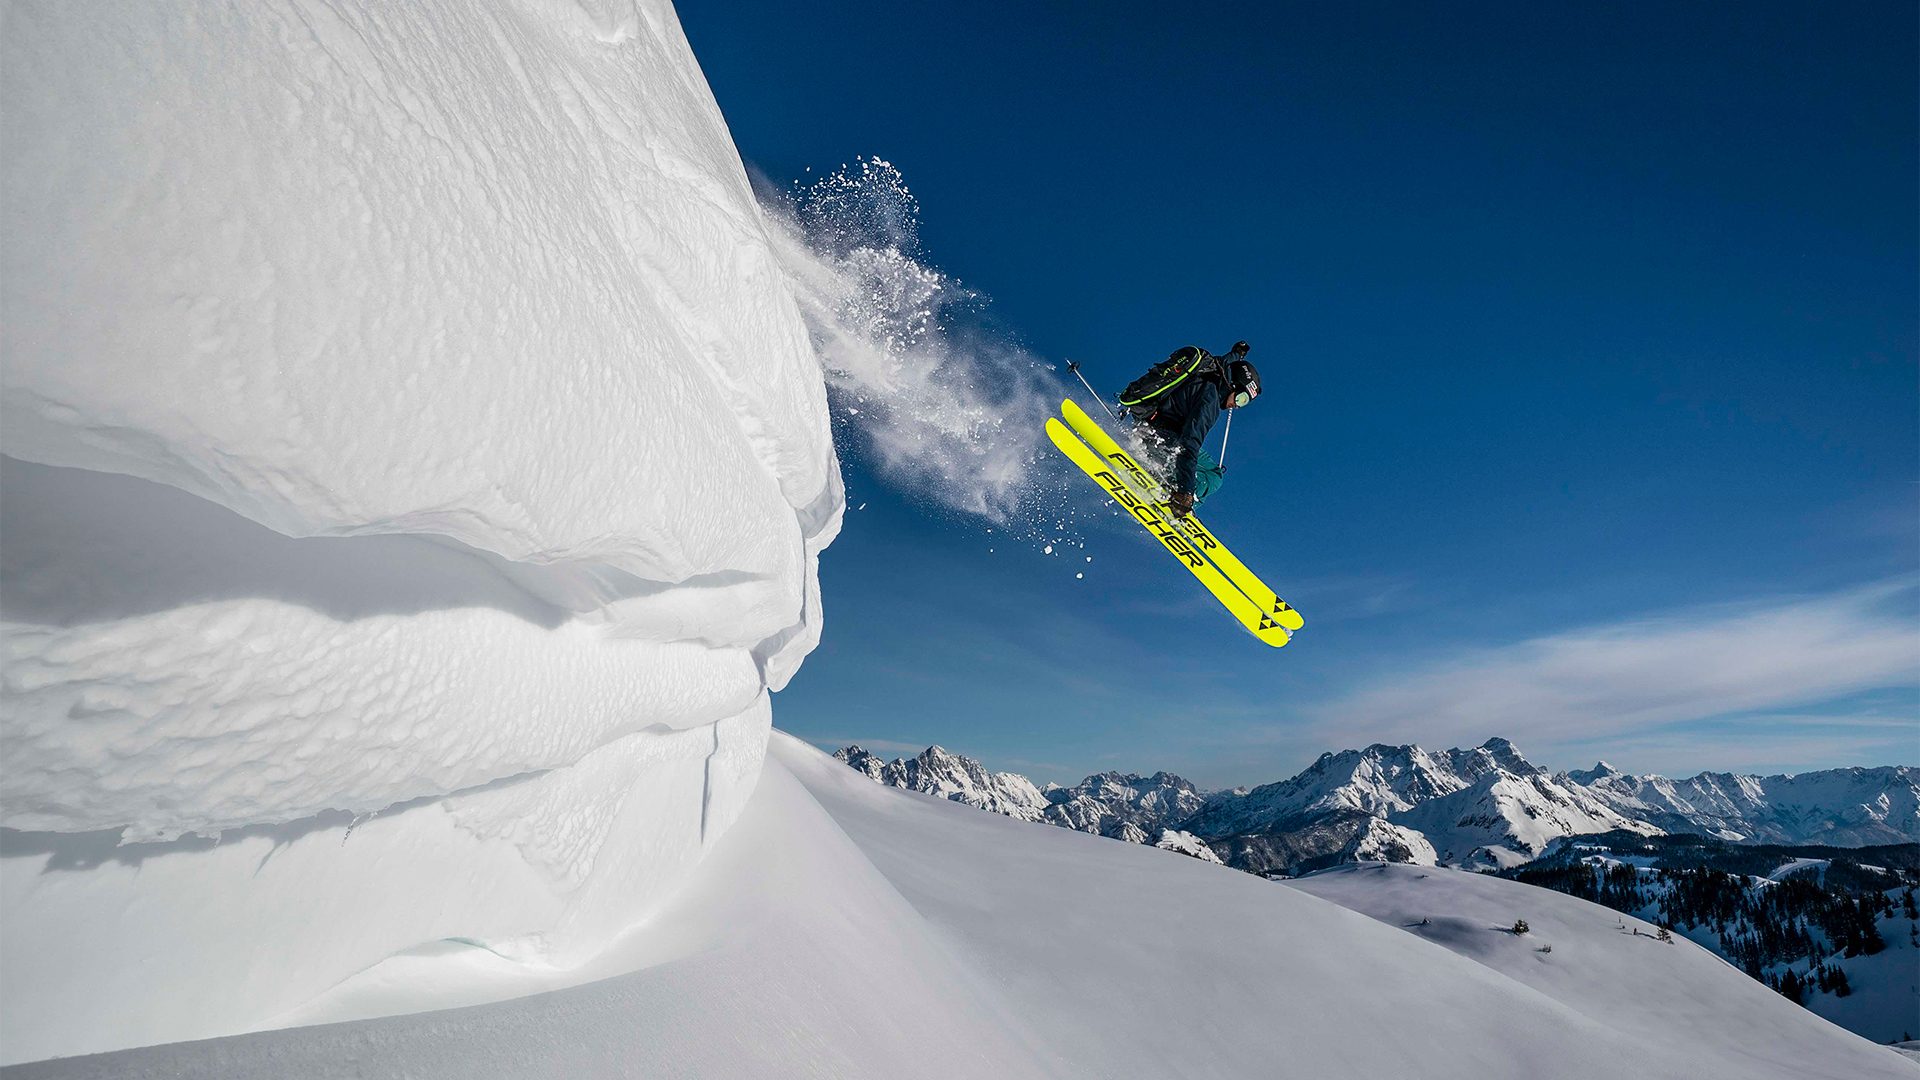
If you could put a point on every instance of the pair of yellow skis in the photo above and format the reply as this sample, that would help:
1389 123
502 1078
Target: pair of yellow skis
1264 614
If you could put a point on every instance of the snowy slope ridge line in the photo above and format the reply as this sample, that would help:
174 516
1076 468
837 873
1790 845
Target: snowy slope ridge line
399 401
1846 950
843 929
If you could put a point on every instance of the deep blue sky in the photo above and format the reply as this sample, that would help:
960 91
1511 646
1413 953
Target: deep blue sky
1590 335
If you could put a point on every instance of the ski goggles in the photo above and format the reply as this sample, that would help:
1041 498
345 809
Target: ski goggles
1242 396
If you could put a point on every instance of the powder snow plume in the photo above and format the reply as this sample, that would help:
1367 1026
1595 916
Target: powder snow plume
941 405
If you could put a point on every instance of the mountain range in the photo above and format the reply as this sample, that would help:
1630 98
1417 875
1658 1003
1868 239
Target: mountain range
1486 807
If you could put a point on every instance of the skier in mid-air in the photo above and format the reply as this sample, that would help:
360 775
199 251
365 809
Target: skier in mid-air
1177 403
1174 405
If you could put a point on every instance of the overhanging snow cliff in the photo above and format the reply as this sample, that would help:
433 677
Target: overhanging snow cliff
416 468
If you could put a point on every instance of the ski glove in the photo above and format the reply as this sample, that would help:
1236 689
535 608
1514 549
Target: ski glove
1181 503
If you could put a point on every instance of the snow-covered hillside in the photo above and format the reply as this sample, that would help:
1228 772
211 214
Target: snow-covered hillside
1678 996
416 466
848 930
1851 954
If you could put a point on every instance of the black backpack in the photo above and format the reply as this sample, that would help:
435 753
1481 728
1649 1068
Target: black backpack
1191 362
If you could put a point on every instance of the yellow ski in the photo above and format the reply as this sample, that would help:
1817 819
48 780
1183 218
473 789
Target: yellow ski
1146 486
1175 541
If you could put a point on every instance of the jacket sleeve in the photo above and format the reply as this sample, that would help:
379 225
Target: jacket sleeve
1201 412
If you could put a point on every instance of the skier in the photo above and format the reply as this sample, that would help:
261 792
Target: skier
1176 404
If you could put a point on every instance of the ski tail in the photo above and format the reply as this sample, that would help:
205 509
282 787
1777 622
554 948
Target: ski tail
1149 488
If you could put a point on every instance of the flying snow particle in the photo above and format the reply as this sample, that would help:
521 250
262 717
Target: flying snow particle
1077 577
1049 549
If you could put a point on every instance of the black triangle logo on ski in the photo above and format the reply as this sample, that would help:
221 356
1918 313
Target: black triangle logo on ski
1266 623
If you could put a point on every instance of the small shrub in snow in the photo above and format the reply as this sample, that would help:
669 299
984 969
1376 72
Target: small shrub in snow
1665 935
1520 926
1544 949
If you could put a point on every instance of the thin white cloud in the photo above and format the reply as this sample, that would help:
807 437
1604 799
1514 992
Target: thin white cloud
1762 745
1636 676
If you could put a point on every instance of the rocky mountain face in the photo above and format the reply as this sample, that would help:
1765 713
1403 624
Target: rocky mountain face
1503 819
1124 806
1378 781
1486 807
1121 806
1481 808
955 777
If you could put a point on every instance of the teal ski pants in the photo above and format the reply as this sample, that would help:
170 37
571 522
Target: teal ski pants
1207 477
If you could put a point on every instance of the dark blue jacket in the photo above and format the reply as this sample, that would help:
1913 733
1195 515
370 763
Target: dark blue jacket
1185 416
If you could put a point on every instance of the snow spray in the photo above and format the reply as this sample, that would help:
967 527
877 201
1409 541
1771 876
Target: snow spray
936 401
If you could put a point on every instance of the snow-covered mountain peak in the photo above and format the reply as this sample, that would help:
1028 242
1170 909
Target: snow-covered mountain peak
1133 785
1600 771
1846 807
1483 806
1495 753
938 771
1125 806
1378 781
1503 820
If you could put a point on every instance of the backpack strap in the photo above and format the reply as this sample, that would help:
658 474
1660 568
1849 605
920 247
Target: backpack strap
1180 363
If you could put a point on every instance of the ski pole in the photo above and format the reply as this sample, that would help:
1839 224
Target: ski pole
1074 367
1224 436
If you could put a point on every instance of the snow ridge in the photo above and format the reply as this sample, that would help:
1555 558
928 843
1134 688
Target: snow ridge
416 468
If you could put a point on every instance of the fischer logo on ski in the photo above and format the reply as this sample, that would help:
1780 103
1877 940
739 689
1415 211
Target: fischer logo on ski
1151 491
1171 536
1150 518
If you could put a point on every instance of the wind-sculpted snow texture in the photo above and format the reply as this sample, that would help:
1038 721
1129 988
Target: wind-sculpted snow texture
848 930
416 471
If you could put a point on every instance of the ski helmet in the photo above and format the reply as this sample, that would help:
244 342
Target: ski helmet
1243 382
